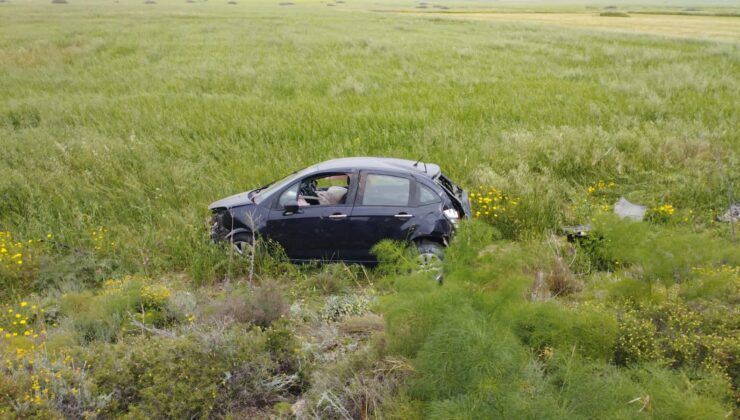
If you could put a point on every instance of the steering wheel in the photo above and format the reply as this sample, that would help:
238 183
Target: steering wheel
308 192
308 189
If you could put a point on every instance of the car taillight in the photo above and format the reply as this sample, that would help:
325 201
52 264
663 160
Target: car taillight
452 215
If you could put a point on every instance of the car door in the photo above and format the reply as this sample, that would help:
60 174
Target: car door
383 210
314 231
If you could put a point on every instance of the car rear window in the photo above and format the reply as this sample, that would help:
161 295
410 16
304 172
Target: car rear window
386 190
427 196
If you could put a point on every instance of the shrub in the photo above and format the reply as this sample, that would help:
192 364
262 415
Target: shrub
636 341
605 391
331 279
411 316
260 305
266 304
338 307
446 368
588 329
357 386
395 257
328 281
36 380
63 269
182 306
674 333
19 263
205 373
120 302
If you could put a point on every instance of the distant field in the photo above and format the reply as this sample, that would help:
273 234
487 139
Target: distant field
701 27
121 121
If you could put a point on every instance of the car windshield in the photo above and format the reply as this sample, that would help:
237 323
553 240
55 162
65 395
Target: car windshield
260 193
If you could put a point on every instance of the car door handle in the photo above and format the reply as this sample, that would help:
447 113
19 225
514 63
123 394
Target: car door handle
337 216
403 216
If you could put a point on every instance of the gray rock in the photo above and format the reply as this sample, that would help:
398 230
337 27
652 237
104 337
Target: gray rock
624 208
732 214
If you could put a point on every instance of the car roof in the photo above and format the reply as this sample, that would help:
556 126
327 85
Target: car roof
379 163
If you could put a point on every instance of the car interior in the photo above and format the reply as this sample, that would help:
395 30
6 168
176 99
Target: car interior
323 190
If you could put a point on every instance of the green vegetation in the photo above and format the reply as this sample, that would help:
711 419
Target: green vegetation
493 342
614 14
119 123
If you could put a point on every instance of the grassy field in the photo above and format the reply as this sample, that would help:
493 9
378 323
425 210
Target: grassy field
121 121
688 26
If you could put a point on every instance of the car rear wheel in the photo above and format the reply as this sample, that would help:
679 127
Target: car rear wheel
430 257
241 244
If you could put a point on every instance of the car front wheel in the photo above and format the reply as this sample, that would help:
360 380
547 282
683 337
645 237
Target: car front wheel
241 244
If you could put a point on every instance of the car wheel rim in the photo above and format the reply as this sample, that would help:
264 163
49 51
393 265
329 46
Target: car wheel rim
242 248
430 262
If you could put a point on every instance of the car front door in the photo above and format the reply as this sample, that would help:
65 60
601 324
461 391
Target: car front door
315 231
383 210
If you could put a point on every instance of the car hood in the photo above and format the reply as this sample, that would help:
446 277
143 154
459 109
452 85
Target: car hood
235 200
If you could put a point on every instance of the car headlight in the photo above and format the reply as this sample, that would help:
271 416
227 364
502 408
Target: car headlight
218 229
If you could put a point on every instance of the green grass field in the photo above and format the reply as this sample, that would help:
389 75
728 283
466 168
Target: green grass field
121 121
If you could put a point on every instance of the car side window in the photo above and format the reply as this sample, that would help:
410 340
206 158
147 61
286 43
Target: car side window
427 196
386 190
318 190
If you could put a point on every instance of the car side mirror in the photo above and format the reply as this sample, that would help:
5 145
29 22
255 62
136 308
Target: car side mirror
291 207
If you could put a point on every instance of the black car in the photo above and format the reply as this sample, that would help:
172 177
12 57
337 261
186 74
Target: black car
339 209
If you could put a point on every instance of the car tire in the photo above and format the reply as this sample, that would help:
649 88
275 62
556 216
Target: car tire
241 244
430 257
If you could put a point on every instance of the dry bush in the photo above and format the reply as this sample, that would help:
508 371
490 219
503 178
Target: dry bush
557 279
355 388
365 324
266 304
262 305
560 280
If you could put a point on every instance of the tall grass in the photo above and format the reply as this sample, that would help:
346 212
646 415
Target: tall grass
140 132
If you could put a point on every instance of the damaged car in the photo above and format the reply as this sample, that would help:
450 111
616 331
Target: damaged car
340 209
